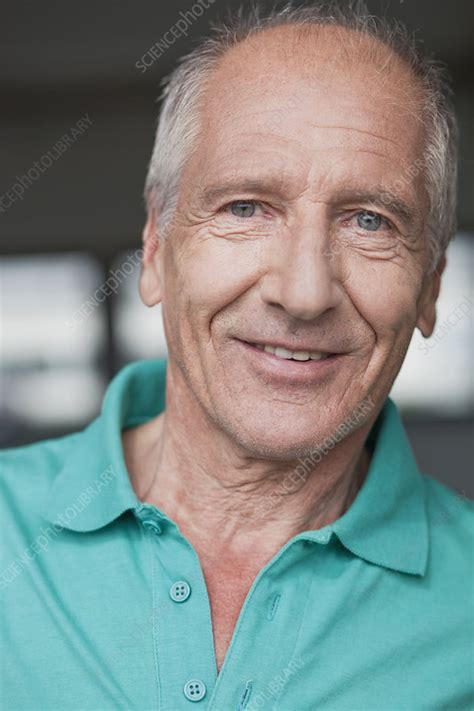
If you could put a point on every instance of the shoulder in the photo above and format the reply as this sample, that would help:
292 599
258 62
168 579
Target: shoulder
27 472
446 504
450 516
45 456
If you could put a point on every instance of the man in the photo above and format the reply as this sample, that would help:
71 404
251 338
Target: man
244 526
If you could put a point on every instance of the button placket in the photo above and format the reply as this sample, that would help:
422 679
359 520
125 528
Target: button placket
267 608
183 635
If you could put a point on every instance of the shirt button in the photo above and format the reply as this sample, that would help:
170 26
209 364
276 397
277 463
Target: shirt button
152 525
194 690
180 591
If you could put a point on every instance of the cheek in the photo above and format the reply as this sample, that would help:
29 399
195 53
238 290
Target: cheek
214 273
385 295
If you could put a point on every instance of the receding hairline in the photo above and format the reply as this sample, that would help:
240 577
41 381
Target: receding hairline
295 32
261 45
337 42
272 41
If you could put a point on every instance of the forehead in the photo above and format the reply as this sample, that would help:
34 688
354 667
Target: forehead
296 96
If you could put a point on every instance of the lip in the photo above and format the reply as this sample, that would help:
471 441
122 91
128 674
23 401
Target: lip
286 370
288 346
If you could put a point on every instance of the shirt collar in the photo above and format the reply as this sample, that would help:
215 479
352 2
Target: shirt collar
386 523
93 487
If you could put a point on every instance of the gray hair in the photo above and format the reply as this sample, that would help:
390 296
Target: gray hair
179 120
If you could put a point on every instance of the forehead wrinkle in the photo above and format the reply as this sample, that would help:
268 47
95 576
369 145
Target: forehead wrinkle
303 158
358 130
287 166
374 153
271 135
237 136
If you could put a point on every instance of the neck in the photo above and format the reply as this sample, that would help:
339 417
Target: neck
227 503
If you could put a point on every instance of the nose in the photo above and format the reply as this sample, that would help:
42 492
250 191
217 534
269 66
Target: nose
301 276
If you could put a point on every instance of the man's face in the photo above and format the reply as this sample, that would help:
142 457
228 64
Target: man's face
301 225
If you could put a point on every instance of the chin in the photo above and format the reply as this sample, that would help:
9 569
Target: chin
272 439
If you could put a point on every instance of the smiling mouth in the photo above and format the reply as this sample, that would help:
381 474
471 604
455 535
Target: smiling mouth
285 354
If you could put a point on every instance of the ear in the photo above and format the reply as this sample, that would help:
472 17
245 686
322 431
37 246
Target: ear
151 278
427 303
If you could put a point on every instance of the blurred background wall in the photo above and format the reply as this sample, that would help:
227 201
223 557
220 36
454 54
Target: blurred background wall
76 87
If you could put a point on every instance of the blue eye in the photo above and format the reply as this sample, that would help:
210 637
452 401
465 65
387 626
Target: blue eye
243 208
368 220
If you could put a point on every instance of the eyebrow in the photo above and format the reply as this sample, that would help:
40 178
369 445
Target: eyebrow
274 187
258 186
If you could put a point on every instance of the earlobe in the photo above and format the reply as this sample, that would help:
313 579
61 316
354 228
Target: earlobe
426 321
427 308
150 278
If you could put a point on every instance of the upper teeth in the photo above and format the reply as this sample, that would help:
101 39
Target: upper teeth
296 355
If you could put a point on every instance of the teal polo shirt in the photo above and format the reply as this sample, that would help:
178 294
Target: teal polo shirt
105 604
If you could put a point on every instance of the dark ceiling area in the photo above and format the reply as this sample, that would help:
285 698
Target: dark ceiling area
66 60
